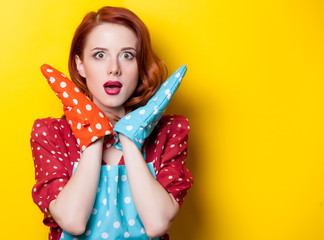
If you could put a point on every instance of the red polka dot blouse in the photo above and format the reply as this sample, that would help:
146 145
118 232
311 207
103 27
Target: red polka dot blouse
55 150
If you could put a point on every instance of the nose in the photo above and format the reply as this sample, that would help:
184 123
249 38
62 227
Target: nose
113 67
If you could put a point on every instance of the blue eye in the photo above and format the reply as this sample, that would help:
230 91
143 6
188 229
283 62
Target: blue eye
128 55
99 55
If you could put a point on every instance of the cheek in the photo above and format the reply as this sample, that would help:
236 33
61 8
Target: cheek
93 77
135 81
92 73
132 86
93 86
133 77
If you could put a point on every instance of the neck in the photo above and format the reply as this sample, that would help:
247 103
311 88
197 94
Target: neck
114 115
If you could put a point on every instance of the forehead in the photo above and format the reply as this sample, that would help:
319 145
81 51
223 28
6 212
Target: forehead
111 35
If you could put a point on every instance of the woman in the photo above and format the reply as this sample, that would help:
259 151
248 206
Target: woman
126 182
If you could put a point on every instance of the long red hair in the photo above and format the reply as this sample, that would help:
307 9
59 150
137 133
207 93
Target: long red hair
152 70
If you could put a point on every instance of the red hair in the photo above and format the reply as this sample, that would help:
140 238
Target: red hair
152 71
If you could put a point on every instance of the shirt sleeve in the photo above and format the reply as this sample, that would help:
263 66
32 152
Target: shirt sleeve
50 161
169 153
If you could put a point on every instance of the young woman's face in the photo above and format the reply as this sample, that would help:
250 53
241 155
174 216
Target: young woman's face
109 65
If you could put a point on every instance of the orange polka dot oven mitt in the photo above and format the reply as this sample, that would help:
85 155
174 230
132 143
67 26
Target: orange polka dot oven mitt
87 121
138 124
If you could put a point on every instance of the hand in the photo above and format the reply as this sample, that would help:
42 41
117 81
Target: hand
87 121
138 124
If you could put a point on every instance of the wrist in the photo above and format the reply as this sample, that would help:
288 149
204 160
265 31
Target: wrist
126 142
96 145
123 139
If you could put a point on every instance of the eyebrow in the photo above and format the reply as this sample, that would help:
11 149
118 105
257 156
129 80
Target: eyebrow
105 49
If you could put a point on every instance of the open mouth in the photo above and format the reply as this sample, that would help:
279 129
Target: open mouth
113 84
112 87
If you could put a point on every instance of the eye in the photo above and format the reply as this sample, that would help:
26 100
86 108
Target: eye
128 55
99 55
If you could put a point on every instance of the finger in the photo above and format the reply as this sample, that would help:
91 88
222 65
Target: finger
169 87
63 87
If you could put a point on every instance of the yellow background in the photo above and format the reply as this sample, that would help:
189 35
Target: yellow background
253 94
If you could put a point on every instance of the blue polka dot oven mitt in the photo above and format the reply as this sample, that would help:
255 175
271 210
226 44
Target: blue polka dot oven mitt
138 124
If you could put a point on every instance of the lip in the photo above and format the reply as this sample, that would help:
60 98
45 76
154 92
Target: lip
112 87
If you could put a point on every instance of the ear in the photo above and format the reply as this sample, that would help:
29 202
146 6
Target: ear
80 66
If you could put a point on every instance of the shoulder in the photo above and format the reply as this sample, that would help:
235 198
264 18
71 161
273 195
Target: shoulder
53 137
44 125
172 123
171 130
50 122
50 129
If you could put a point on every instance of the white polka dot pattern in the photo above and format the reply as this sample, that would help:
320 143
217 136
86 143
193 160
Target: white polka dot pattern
109 219
91 123
50 170
171 150
139 124
61 149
